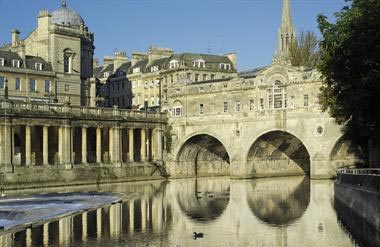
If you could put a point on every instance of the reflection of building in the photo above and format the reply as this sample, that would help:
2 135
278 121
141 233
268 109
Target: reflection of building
62 44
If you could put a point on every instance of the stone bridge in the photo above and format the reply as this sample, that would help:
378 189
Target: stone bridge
259 144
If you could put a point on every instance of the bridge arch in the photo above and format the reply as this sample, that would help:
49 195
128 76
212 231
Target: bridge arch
278 153
347 152
202 154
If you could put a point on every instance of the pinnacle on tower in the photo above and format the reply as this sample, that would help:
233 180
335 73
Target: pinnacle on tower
286 34
63 3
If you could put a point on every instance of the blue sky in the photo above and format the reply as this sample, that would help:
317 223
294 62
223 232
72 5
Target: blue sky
247 27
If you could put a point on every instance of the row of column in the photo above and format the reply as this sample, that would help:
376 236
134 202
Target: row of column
65 144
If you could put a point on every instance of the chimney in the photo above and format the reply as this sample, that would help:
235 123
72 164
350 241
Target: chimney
138 56
15 37
232 57
120 57
95 63
107 61
155 53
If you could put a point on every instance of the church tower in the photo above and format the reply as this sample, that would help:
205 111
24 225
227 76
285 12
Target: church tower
286 35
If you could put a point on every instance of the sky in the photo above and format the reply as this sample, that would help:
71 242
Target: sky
247 27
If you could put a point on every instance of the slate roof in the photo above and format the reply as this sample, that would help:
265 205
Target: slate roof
29 61
252 72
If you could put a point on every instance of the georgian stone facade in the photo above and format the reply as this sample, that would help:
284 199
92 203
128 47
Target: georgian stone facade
61 40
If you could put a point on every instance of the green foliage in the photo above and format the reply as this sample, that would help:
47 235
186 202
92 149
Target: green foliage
304 50
350 65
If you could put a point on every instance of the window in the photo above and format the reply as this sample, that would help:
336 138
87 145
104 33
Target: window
177 90
201 90
306 100
177 111
188 76
18 84
2 62
106 74
154 68
225 66
47 86
199 63
276 96
16 63
251 105
261 104
173 64
196 77
66 63
152 101
292 101
2 82
201 109
177 77
204 77
171 79
136 70
237 106
67 87
38 66
33 85
146 84
225 106
212 77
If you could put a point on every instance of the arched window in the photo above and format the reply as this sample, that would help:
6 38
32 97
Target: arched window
276 96
68 57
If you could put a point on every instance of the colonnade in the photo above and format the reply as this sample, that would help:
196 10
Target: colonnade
66 144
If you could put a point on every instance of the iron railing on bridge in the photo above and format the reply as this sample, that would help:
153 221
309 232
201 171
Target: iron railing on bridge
362 178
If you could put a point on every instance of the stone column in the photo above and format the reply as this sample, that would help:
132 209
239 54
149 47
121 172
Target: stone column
45 145
84 145
60 145
66 146
28 147
115 144
65 230
143 145
158 144
98 145
131 145
6 147
148 145
110 146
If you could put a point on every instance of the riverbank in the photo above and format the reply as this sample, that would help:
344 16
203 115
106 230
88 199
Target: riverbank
359 192
54 176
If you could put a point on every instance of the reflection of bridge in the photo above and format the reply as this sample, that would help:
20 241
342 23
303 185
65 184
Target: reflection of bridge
235 213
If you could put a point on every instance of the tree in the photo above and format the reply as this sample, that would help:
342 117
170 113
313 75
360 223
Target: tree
350 65
304 50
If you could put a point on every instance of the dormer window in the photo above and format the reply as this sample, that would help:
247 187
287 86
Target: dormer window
106 74
136 70
173 64
154 68
2 61
225 66
199 63
38 66
16 63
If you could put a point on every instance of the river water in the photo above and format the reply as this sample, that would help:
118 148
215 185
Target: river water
293 211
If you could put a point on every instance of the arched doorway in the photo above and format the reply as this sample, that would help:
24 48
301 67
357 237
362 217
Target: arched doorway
278 153
202 155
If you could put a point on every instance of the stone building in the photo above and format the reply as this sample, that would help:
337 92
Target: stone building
27 77
110 85
146 71
61 43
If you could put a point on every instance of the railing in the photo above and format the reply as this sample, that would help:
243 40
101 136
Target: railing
364 178
77 110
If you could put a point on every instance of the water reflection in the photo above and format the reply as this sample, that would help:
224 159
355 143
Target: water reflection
265 212
279 201
202 201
